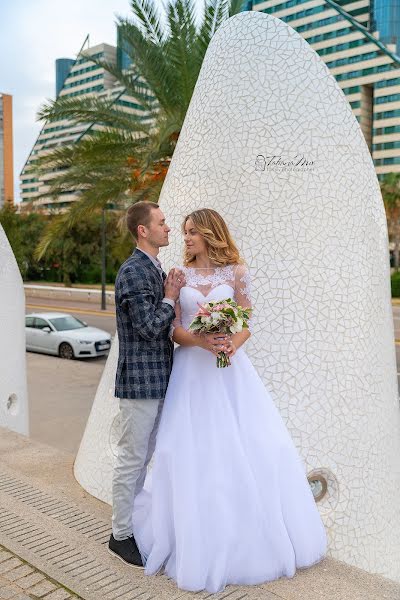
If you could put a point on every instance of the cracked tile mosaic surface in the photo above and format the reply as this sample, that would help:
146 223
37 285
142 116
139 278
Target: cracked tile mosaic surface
270 142
13 392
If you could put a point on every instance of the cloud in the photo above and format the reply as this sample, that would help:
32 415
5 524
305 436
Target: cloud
33 36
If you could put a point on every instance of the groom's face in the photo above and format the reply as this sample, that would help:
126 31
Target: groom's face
158 230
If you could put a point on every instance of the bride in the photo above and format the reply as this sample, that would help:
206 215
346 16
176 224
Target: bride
227 500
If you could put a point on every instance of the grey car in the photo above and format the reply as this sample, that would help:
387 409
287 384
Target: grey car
63 335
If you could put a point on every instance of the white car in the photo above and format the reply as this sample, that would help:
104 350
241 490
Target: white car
64 335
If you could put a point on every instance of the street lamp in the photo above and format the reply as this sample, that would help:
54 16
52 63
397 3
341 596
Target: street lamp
103 259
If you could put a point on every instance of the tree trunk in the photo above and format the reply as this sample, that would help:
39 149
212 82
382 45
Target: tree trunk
66 279
396 252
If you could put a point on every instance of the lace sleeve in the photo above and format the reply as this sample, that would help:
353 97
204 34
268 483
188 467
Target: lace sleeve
243 289
177 322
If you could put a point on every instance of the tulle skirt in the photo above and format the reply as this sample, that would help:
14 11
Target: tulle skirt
227 500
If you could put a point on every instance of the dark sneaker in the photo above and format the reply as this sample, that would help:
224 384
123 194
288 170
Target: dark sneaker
126 550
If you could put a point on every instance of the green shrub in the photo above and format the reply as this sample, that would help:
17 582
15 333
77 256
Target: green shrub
395 284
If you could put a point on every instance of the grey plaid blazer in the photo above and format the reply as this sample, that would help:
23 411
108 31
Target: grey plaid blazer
143 322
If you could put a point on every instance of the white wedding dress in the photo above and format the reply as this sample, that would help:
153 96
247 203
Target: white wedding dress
227 500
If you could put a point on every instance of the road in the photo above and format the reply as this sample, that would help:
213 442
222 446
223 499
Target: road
61 392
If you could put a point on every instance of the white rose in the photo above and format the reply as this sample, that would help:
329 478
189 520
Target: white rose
236 327
206 320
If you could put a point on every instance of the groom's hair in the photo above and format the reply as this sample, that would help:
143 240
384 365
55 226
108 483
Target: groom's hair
139 214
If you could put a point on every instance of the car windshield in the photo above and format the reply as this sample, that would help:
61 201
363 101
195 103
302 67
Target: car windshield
67 323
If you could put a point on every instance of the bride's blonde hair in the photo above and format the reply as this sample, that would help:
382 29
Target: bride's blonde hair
221 248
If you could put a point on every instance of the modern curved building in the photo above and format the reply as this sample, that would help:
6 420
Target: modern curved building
80 77
358 41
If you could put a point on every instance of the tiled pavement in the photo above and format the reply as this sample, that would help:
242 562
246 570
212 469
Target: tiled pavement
21 581
52 531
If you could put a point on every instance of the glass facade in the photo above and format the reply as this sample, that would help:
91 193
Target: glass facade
386 20
123 59
63 67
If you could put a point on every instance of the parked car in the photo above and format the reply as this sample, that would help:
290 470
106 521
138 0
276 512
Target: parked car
63 335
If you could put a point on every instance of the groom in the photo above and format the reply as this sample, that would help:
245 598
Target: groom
144 301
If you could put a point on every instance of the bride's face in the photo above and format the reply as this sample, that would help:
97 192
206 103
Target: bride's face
194 241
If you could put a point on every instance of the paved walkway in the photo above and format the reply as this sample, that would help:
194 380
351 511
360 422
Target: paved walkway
54 535
20 581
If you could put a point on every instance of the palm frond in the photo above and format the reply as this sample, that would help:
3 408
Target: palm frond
133 85
91 111
214 13
92 164
149 18
181 49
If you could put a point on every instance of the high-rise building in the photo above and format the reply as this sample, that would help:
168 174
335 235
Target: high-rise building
6 150
358 40
81 77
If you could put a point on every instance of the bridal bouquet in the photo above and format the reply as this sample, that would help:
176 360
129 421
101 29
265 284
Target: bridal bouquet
222 316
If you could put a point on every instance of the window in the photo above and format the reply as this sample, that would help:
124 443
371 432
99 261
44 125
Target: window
67 323
362 72
385 130
28 321
352 59
395 160
339 47
96 88
387 146
328 36
387 114
83 81
386 83
389 98
304 13
285 5
40 323
86 58
351 90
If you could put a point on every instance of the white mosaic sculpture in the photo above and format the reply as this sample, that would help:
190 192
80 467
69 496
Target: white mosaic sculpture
13 389
270 141
95 459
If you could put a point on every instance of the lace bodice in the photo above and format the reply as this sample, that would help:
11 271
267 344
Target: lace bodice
205 285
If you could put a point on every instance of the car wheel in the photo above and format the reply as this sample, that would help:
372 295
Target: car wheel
66 351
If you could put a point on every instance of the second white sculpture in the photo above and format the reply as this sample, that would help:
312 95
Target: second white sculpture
13 387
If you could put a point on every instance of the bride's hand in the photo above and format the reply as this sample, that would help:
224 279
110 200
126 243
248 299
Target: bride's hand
230 348
214 342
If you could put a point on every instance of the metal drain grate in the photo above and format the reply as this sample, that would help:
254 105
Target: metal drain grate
66 513
82 571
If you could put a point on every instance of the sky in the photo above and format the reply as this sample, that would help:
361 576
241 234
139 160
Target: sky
33 34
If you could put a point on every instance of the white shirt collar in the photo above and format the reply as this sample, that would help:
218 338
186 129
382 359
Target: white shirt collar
153 259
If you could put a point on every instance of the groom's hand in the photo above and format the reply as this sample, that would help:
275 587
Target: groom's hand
173 284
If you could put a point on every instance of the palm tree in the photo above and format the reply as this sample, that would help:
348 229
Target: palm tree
125 157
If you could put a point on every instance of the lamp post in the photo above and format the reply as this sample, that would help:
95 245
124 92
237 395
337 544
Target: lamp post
103 259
